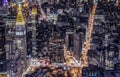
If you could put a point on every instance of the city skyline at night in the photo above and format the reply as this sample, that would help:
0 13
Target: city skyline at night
59 38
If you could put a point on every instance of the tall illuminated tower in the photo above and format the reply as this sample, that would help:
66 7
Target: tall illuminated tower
5 2
20 22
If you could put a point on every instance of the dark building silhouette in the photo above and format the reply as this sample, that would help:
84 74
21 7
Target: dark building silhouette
2 50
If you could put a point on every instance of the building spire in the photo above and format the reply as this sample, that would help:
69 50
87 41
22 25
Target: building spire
20 18
34 10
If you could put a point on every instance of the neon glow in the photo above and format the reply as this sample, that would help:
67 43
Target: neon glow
4 2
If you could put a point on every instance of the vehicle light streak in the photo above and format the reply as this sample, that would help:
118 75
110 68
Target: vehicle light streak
84 57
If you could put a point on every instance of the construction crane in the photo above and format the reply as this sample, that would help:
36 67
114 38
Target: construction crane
84 57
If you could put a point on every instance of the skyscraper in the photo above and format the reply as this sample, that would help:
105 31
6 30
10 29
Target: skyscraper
78 44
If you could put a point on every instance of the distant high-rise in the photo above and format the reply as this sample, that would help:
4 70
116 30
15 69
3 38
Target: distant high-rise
117 2
20 51
69 41
92 71
3 2
112 56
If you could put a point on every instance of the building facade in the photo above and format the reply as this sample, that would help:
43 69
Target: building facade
78 44
2 50
92 71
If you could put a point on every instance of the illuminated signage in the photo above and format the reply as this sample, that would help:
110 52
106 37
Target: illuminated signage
4 2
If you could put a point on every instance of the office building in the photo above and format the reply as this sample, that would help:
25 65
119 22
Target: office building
78 44
92 71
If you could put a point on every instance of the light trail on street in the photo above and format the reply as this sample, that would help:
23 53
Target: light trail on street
84 57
